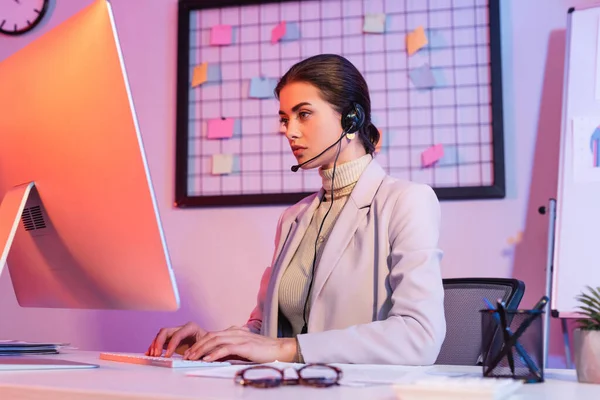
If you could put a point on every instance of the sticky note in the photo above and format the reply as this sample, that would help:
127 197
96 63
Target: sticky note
436 39
278 32
422 77
431 155
262 88
213 73
199 75
374 23
517 239
292 32
415 40
222 164
450 156
220 128
220 35
237 128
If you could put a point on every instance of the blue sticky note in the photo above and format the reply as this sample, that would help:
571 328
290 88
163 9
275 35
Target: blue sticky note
213 73
235 168
237 128
450 156
422 77
262 88
435 39
440 78
292 32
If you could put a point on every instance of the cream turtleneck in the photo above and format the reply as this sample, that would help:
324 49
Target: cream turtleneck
293 287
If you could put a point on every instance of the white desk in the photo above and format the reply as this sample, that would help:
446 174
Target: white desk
127 381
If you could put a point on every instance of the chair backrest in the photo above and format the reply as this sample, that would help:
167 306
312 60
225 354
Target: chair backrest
462 302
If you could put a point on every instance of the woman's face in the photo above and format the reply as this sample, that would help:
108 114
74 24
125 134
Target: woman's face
310 124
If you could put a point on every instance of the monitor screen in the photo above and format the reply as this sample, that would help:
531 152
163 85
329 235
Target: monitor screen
79 223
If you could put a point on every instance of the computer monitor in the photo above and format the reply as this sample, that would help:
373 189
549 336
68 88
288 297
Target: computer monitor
79 223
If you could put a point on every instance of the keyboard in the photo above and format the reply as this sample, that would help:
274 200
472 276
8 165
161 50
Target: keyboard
175 361
464 388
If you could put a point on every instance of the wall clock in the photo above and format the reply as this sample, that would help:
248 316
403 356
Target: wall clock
20 16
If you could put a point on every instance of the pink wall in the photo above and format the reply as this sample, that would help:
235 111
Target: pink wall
218 282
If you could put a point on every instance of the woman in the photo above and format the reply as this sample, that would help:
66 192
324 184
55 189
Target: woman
355 277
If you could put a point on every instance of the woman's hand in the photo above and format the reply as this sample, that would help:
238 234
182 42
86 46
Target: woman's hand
189 334
241 342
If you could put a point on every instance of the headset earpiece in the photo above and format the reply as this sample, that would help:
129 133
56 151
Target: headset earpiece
353 120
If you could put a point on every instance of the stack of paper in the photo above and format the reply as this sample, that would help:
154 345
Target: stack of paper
16 347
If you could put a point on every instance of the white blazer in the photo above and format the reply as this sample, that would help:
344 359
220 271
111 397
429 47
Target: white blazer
377 296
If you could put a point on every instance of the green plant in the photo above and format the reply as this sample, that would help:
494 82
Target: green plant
590 308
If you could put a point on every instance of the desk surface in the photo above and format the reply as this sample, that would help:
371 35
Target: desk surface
128 381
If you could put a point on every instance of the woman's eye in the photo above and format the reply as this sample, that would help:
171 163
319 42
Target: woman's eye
304 114
283 121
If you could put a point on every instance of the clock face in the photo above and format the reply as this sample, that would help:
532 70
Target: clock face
20 16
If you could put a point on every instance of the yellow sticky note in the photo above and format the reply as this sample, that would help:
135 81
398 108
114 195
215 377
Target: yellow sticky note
222 164
415 40
517 239
199 76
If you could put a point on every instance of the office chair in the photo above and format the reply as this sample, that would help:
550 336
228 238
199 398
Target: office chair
462 302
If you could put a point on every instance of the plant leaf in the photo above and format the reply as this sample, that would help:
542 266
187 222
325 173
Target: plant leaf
586 297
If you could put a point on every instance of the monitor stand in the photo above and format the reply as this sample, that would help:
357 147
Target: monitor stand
11 210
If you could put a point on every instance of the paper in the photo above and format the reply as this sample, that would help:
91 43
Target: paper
222 164
220 35
374 23
278 32
450 156
598 62
262 88
422 77
221 128
586 149
213 73
431 155
199 76
415 40
516 239
436 39
237 128
352 374
292 32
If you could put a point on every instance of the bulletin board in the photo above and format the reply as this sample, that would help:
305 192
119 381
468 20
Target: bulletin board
432 66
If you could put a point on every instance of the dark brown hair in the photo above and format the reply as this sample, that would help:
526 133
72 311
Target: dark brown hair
340 84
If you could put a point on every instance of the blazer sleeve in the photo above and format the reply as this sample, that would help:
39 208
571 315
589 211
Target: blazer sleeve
254 323
415 327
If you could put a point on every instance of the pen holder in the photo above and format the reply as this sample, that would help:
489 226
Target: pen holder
516 352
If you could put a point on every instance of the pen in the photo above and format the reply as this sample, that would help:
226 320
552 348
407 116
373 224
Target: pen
509 354
519 347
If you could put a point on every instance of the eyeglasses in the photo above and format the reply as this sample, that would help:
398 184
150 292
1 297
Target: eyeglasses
264 376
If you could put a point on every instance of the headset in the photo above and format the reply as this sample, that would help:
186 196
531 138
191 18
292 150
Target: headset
353 120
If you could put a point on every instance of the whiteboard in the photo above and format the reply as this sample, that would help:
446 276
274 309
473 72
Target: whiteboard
576 261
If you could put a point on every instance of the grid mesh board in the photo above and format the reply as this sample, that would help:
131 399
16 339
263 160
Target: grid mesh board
461 112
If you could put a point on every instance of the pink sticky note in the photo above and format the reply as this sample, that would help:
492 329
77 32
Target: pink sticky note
278 32
220 128
220 35
432 154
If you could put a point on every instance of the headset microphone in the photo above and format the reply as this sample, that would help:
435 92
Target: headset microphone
297 166
352 122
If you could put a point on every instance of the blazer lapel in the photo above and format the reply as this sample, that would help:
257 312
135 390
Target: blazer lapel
354 211
288 247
